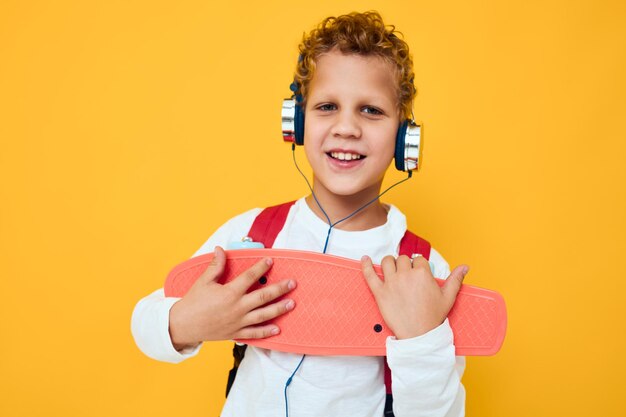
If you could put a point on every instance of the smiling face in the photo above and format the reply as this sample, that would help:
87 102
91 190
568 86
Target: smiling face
352 118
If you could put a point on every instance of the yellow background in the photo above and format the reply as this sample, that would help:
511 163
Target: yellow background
130 130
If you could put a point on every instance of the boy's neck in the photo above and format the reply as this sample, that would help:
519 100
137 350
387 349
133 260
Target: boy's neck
338 207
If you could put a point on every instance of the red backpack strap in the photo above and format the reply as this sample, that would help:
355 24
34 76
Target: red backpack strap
410 244
269 223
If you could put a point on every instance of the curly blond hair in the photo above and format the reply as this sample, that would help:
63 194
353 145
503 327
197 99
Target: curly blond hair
362 34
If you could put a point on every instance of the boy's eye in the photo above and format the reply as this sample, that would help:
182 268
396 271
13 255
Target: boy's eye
372 110
327 107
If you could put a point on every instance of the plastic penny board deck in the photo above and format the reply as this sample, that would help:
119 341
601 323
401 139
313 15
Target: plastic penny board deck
336 313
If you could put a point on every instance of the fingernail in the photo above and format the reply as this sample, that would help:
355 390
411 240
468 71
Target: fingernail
365 258
465 270
290 304
275 331
291 284
269 261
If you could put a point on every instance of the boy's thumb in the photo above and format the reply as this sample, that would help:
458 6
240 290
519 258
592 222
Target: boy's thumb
216 267
453 283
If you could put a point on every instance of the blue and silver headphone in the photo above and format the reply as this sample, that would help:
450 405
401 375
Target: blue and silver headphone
408 153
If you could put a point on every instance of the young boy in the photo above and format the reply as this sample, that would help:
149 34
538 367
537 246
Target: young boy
354 78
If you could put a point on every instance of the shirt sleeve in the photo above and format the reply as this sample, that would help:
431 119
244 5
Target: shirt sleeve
426 374
150 318
150 328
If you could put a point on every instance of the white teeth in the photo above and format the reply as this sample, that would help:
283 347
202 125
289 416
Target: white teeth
344 156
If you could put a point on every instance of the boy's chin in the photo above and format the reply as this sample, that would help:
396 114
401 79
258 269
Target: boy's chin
348 189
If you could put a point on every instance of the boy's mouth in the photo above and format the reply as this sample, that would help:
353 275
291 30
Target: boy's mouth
345 156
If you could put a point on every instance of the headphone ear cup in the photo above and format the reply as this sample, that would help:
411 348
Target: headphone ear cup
298 126
400 145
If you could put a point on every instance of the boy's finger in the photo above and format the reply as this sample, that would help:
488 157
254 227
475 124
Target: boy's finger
262 296
403 263
251 275
257 332
419 262
370 275
453 284
261 315
388 265
215 268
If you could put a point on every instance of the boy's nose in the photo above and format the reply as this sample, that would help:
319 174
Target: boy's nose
346 125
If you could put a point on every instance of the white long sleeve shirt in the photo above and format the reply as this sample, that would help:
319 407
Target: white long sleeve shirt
425 372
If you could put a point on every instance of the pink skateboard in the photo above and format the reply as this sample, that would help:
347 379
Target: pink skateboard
336 313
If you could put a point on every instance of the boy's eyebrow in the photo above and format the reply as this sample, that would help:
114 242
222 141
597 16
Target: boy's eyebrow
330 96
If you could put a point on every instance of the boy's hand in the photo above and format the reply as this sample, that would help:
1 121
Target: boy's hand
410 300
212 311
